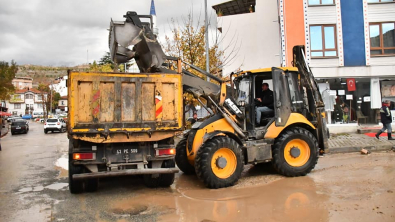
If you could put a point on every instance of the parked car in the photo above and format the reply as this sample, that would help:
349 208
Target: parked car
54 124
10 118
19 126
27 116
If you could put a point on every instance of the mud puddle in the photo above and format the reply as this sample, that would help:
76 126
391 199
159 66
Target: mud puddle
289 199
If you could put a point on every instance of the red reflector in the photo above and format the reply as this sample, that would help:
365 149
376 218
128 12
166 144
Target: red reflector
83 156
58 123
166 152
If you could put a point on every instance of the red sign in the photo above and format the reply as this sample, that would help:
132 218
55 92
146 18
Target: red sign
351 85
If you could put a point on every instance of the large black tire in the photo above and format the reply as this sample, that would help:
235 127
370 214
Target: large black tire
75 186
45 131
280 163
163 180
182 159
203 162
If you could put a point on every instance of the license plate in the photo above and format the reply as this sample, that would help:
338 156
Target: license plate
126 151
18 127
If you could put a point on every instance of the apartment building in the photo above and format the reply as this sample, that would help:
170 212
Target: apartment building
25 101
350 46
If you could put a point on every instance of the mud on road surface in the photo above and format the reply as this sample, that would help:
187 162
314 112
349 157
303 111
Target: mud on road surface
343 187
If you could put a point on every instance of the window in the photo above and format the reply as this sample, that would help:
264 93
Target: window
29 96
39 97
323 41
382 38
62 103
17 97
321 2
376 1
17 106
39 106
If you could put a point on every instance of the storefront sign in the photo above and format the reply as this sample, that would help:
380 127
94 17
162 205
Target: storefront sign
349 97
366 99
332 92
341 92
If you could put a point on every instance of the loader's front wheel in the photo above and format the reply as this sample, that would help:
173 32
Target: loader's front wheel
295 152
182 158
219 162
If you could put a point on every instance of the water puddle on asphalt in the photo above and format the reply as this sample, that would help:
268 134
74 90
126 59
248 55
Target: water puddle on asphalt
62 165
288 199
54 186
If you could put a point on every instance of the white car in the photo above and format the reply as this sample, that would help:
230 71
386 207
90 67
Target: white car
54 124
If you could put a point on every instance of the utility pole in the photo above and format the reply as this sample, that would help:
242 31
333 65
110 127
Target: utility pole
207 45
50 102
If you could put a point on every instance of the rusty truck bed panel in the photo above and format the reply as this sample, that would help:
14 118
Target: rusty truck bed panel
111 107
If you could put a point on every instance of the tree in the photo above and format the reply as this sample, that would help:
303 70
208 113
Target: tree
187 41
45 93
56 98
7 74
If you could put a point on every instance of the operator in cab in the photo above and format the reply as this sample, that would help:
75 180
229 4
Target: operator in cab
265 103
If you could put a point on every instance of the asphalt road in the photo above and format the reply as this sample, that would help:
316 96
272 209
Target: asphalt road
343 187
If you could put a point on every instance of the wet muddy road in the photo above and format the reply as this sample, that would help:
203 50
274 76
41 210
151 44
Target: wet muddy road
343 187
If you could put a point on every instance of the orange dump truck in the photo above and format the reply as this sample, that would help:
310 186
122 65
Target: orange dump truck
122 124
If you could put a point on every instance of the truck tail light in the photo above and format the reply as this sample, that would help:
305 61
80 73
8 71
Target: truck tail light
160 152
84 156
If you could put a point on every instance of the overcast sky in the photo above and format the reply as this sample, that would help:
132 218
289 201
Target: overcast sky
59 32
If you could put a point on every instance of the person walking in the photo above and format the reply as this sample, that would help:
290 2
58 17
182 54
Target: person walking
386 119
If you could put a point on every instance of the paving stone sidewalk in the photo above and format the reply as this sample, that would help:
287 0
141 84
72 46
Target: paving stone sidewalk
344 143
4 130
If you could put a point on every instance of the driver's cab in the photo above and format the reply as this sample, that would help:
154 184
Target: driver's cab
288 95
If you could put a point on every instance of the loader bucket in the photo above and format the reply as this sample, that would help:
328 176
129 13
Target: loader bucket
146 51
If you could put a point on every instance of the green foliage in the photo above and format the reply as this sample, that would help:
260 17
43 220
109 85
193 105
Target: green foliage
56 98
107 65
7 73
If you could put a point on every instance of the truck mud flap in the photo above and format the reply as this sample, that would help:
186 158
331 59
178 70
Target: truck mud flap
124 173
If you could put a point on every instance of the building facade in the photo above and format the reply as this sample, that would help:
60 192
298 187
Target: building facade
22 82
26 101
350 47
62 104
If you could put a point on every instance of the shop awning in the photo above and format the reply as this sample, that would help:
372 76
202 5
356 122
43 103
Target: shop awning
5 114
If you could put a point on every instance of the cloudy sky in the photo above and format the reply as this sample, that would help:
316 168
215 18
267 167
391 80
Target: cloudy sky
60 32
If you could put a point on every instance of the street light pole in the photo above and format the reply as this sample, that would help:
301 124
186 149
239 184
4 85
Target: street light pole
207 45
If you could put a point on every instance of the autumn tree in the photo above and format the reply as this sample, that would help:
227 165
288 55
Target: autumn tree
45 93
187 41
7 74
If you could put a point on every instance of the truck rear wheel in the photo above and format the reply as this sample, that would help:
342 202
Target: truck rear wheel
295 152
75 186
91 185
163 180
219 162
182 159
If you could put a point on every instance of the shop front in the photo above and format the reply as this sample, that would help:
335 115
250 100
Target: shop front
353 101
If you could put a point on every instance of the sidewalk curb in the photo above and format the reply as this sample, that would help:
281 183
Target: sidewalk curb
359 148
8 129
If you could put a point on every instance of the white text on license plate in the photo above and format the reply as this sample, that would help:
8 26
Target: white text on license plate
126 151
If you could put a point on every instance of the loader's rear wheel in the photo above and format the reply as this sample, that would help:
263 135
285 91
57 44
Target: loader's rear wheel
295 152
219 162
161 180
182 158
